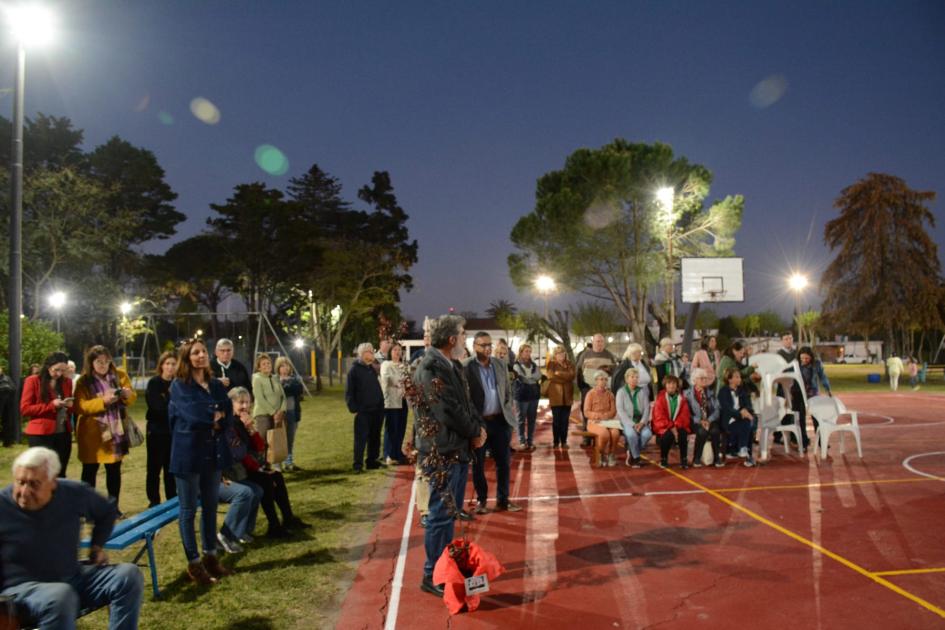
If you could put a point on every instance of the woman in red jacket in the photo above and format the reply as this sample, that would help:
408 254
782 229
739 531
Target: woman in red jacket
47 402
671 421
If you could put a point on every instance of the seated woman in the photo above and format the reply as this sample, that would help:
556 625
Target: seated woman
599 405
704 411
258 470
633 410
671 421
812 371
736 415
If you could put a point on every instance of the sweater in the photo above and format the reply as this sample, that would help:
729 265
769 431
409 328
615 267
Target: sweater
158 397
600 405
40 546
590 362
268 395
625 409
391 376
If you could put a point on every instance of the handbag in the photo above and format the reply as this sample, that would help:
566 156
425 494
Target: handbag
708 456
135 436
278 443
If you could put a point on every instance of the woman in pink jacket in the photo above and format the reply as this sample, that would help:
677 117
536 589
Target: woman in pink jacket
708 358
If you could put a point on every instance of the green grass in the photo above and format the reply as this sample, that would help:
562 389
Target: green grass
296 583
852 378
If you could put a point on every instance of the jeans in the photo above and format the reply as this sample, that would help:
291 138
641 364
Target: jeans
59 442
112 478
667 440
367 434
54 605
560 415
395 426
204 486
244 500
497 443
159 459
291 426
637 440
439 531
527 414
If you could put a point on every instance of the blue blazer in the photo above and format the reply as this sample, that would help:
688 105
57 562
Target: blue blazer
195 447
728 407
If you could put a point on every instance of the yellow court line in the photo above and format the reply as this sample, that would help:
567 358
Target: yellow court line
910 571
833 556
825 484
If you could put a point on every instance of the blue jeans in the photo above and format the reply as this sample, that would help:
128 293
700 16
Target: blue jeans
243 498
204 486
497 443
527 414
637 440
395 426
54 605
291 426
439 532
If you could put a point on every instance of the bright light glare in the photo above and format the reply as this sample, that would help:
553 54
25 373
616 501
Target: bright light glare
199 332
299 344
57 300
125 308
797 282
545 283
30 25
666 196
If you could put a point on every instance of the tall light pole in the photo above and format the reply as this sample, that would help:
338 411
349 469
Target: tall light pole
545 285
125 308
797 283
28 25
666 197
57 301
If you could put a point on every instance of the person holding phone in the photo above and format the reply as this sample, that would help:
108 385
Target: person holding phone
47 401
103 393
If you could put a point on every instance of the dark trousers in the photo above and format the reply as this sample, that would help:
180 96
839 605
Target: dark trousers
395 426
527 416
9 419
559 423
274 493
439 532
713 433
740 434
498 434
367 434
112 478
667 440
159 459
59 442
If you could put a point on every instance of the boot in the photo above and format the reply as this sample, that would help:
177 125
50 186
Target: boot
213 566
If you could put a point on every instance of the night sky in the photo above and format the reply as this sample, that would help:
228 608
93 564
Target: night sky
467 104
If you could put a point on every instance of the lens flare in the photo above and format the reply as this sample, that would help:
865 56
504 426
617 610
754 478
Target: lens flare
205 111
601 213
271 160
768 91
143 103
165 118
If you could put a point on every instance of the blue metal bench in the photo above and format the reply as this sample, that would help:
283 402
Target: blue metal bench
142 527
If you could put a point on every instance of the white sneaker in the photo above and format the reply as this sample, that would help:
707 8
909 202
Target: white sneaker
611 460
230 546
389 461
277 467
743 453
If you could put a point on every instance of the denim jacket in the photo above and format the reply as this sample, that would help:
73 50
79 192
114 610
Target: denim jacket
195 446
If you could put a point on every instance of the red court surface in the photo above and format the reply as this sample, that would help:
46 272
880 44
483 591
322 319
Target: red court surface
848 543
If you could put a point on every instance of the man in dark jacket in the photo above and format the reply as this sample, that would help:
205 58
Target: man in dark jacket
440 376
231 372
366 401
8 405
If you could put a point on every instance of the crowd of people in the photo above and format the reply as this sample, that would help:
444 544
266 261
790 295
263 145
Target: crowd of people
206 435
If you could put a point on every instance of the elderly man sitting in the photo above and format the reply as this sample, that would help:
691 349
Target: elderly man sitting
39 534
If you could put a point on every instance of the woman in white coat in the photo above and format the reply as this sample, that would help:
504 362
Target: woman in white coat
395 406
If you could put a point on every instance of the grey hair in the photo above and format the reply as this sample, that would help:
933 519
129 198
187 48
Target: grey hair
363 347
633 347
239 392
601 374
223 342
699 373
666 340
443 328
39 457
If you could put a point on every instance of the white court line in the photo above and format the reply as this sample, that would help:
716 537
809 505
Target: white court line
398 583
604 495
908 466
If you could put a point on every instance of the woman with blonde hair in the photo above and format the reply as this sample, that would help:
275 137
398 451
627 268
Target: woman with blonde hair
102 396
560 372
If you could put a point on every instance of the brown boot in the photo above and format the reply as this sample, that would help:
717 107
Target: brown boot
197 573
213 566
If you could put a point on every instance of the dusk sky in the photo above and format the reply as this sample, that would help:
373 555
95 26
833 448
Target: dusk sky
467 104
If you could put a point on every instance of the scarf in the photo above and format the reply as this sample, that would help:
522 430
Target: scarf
703 398
109 422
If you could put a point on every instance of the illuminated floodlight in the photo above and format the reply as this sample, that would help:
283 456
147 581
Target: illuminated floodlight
57 300
125 307
30 25
666 197
797 282
545 284
299 344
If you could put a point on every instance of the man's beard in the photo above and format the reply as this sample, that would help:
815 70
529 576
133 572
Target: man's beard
458 350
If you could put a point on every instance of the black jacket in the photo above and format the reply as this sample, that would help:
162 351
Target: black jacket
728 410
453 409
363 392
237 374
158 395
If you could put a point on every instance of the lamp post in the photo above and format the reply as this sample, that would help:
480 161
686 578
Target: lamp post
57 300
28 25
125 308
545 285
797 283
666 198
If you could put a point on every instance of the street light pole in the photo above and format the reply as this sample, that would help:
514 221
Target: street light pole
666 197
16 222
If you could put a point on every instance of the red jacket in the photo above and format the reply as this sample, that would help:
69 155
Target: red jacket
661 420
42 415
256 444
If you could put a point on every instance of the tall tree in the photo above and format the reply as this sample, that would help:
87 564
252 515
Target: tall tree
599 230
886 275
49 142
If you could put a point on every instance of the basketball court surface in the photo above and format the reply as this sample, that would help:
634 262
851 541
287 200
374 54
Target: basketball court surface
847 543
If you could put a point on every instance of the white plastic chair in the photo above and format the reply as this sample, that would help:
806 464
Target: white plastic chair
828 411
769 421
771 367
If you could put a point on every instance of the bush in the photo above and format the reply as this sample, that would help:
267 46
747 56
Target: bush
39 339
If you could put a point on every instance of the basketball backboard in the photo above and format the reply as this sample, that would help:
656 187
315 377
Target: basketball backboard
712 280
